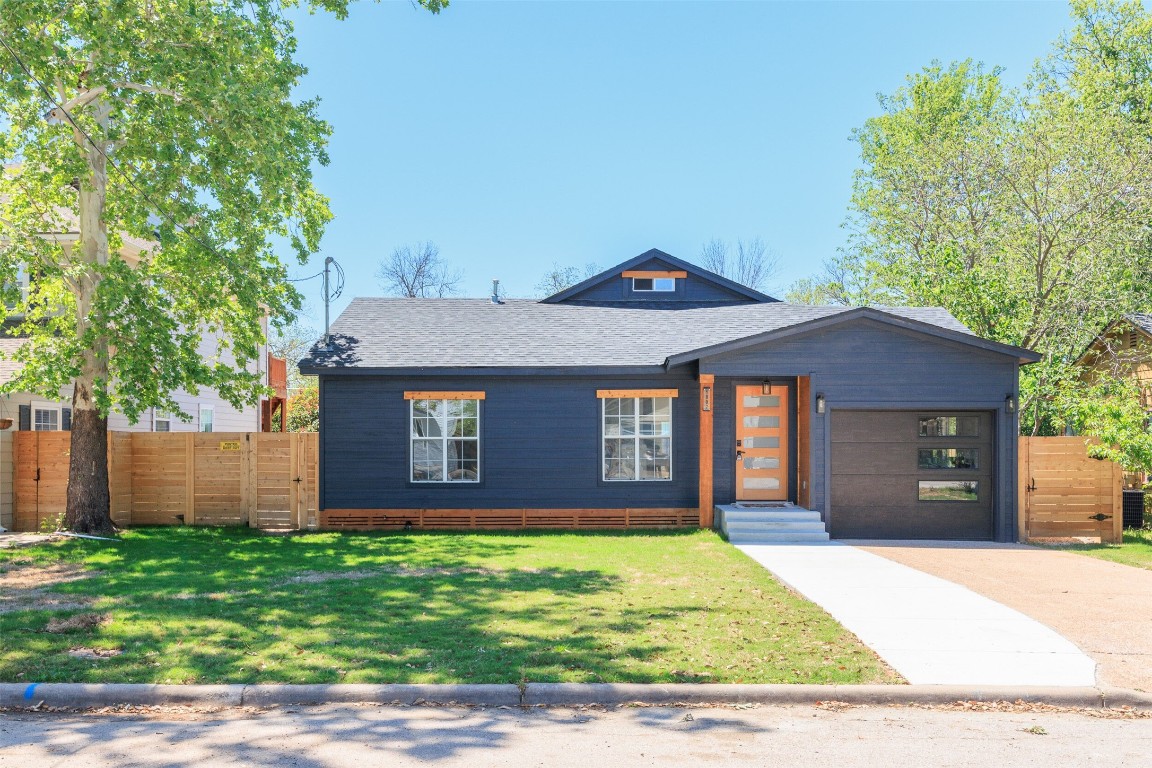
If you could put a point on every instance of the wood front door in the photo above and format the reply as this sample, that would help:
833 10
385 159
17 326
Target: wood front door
762 443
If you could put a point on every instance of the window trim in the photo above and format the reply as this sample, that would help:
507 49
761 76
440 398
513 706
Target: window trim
42 405
200 423
636 395
444 397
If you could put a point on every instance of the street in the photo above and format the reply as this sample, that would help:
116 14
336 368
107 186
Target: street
359 736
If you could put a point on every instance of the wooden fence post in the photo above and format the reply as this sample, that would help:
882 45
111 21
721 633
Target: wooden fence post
1117 504
250 481
189 478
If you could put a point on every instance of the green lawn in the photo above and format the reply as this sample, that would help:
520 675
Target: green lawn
1136 549
210 605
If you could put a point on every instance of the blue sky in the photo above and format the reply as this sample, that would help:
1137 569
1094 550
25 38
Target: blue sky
518 134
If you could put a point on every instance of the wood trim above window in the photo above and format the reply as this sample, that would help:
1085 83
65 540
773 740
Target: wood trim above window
653 274
421 395
604 393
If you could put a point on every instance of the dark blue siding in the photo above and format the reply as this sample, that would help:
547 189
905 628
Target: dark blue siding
870 365
540 445
691 289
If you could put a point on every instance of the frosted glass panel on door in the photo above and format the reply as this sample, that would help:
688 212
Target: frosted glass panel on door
761 442
761 483
762 422
762 401
761 463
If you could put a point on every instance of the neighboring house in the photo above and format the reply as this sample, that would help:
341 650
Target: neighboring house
209 412
655 390
1123 349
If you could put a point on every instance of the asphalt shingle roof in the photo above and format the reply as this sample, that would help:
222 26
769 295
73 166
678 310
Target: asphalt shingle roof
1141 320
471 333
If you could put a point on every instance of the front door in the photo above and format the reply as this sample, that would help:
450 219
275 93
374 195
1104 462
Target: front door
762 443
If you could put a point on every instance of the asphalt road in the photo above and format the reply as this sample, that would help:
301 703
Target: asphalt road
793 736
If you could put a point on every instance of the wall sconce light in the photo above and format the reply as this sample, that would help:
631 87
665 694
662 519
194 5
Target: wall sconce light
766 388
706 399
1010 403
820 403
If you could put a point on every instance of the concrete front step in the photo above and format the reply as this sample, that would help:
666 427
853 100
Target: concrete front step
777 538
794 515
770 525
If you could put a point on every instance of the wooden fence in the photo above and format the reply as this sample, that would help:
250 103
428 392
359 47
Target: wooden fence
1064 493
258 479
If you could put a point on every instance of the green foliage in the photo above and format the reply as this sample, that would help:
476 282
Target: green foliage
173 130
204 605
1024 213
1112 412
304 410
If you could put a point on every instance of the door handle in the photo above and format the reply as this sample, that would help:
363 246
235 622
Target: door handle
739 454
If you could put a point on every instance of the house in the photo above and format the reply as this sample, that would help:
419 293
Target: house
657 393
1123 349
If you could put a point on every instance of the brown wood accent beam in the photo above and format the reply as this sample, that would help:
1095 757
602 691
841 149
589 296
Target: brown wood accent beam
602 393
706 421
443 395
654 275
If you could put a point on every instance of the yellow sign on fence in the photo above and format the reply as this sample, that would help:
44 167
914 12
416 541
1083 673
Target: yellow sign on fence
229 445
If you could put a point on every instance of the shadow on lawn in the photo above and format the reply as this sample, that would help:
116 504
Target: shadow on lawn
393 608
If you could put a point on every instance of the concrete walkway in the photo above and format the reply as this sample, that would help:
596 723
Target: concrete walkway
929 630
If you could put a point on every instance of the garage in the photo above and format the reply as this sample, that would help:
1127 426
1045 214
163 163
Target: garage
912 474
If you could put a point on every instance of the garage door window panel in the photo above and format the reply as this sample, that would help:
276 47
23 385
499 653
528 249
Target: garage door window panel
948 458
950 426
949 490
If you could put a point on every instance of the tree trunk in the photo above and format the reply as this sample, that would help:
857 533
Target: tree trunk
88 499
89 503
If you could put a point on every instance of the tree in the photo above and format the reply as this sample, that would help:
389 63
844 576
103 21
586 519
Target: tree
292 342
172 127
752 264
418 272
1024 214
560 278
304 410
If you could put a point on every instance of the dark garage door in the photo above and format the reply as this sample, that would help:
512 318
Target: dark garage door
912 474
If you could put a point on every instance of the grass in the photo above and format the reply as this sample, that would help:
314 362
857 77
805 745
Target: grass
205 605
1136 550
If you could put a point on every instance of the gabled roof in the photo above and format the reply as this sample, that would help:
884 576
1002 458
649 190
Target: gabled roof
896 317
1140 321
427 335
614 273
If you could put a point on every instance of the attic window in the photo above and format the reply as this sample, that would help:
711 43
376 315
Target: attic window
658 284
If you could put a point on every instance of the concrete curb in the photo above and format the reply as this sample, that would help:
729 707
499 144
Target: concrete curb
81 696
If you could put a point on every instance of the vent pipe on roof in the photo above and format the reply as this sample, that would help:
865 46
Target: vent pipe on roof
496 292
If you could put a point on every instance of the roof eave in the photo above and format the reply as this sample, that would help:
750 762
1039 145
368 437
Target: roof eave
1023 356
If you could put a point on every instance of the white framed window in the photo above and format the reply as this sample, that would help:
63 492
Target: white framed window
445 440
207 418
637 438
655 284
161 421
47 417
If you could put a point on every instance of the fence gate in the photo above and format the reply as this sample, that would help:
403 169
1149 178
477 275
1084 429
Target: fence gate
40 479
1066 493
258 479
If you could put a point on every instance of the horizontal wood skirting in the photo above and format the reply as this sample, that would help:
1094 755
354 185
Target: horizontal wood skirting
421 395
456 519
604 393
641 273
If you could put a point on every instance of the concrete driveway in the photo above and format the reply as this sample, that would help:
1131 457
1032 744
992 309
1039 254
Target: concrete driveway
931 630
1104 608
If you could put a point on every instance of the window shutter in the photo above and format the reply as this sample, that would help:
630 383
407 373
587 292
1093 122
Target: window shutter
25 424
66 419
